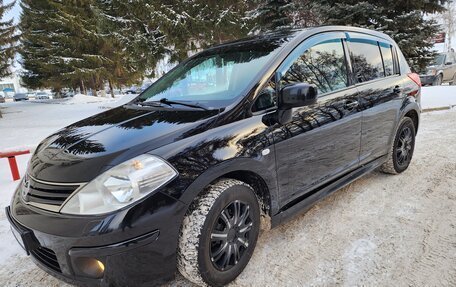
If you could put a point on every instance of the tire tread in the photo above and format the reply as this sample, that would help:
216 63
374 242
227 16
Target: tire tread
388 166
192 228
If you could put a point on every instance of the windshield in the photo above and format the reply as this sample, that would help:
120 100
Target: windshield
216 77
438 60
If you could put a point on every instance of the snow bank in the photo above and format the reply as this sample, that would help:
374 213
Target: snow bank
120 100
84 99
9 246
438 97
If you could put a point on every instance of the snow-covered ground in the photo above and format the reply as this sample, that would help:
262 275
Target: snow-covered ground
23 126
27 123
380 230
438 97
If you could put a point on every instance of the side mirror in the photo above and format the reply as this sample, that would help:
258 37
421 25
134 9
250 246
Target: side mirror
449 63
292 96
297 95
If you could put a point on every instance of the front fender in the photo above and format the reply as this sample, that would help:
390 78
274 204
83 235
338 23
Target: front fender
236 164
245 145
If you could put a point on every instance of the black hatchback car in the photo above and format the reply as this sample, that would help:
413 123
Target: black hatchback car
248 132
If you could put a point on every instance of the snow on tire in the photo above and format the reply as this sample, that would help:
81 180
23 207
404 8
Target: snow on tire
192 228
390 165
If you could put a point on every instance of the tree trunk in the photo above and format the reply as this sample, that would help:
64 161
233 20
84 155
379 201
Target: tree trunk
111 88
83 88
94 87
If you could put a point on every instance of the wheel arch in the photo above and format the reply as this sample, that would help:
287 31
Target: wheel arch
260 178
413 114
410 108
257 183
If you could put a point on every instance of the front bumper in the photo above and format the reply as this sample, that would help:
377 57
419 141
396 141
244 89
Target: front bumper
137 246
427 79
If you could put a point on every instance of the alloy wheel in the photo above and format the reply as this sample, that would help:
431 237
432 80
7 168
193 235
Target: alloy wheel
404 146
230 235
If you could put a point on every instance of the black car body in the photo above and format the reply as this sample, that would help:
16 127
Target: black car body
291 157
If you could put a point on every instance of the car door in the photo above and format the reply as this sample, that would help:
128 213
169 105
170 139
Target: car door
450 67
446 68
322 141
380 87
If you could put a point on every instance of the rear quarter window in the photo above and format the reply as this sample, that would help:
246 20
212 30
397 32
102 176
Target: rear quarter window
387 55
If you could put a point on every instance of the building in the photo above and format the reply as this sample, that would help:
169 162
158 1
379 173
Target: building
11 84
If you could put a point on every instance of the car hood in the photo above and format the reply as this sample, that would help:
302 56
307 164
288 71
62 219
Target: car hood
81 151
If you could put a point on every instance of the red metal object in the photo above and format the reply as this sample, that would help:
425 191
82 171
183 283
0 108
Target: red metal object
415 77
13 167
12 162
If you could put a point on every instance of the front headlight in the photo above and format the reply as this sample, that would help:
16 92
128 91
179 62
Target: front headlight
431 72
120 186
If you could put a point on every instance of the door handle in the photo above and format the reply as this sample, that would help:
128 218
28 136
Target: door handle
351 105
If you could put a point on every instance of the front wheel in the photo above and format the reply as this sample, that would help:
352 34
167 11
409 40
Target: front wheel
219 233
438 80
401 152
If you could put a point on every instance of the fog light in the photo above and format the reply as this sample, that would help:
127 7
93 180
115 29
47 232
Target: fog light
91 267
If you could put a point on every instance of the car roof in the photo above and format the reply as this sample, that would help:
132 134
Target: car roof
288 35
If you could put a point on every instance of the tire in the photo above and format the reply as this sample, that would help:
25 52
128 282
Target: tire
200 254
438 80
401 151
453 81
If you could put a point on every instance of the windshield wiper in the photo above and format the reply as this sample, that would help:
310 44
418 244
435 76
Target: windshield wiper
149 104
169 103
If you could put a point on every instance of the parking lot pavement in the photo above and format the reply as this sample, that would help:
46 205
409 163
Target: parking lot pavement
381 230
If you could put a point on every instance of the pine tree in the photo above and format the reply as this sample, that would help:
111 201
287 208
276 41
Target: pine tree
273 14
37 46
61 45
132 30
8 40
81 46
152 30
202 23
404 21
305 13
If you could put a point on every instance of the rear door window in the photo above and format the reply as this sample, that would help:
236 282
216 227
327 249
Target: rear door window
450 58
366 60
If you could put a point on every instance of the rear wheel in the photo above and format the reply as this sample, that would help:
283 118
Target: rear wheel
219 233
400 154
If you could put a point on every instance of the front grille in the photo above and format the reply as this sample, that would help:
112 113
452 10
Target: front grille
47 257
45 193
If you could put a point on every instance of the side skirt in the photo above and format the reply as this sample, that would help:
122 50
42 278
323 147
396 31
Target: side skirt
305 202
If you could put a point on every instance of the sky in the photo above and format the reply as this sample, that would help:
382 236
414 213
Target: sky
14 13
